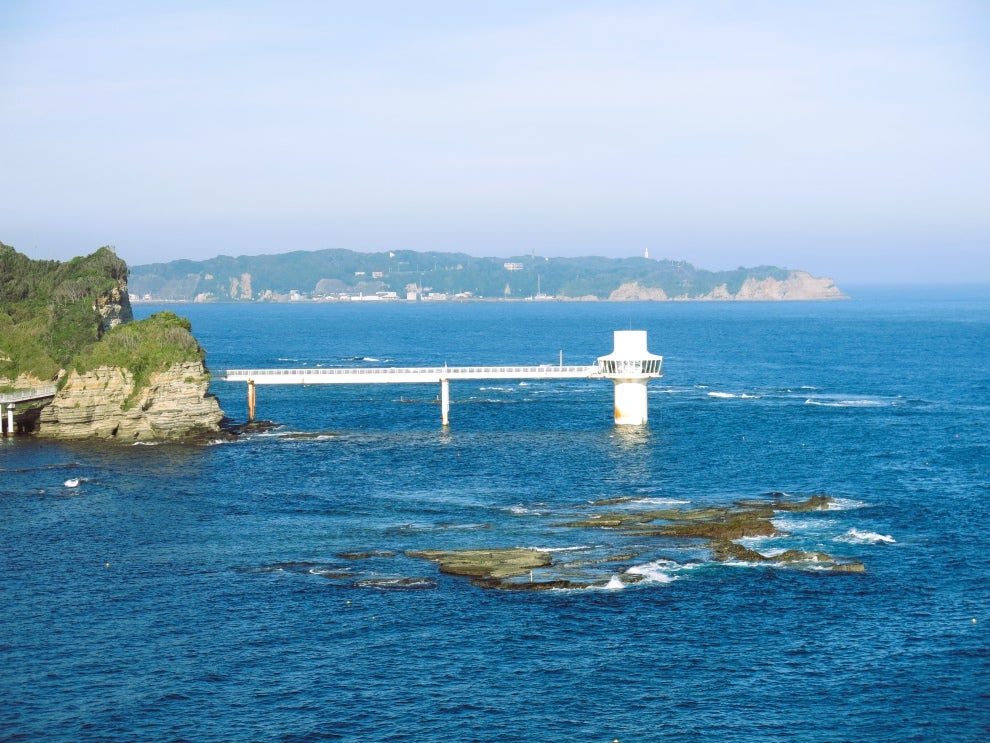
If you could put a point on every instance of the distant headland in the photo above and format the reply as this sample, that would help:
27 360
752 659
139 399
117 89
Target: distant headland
338 275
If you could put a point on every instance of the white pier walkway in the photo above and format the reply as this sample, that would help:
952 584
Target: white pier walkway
400 375
407 375
630 366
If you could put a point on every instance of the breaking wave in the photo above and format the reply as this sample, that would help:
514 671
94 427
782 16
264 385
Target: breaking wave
855 536
658 571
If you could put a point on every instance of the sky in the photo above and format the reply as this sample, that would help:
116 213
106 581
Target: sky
850 139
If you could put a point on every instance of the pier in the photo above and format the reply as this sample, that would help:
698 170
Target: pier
10 399
630 366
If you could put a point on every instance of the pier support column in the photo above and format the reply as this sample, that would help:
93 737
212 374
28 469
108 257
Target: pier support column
445 402
10 419
250 400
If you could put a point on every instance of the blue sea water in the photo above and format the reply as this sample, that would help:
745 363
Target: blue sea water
209 593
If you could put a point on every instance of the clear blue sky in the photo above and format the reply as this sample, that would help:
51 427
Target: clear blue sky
847 138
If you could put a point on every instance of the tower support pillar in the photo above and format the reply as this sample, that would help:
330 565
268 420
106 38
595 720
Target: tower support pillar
631 407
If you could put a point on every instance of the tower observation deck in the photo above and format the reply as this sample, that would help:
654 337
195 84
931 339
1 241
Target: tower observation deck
629 365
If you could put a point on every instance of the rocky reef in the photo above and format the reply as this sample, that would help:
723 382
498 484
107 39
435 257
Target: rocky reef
718 530
619 542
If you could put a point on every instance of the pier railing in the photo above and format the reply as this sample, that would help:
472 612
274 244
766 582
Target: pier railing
410 375
34 393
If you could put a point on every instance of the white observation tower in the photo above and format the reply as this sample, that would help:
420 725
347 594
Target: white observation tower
630 366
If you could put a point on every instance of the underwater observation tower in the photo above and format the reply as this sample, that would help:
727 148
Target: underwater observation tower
630 366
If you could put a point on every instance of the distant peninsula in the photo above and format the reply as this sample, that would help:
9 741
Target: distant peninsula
74 364
403 275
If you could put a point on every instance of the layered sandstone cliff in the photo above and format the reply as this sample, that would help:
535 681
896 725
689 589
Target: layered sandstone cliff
103 404
799 285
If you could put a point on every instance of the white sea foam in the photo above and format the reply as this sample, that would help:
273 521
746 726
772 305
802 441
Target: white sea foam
846 403
855 536
579 548
614 584
844 504
657 502
733 396
805 522
520 510
756 543
658 571
772 552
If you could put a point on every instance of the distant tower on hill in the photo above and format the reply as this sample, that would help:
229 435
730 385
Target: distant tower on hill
646 253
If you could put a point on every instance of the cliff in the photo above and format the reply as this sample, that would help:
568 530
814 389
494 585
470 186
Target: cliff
797 285
117 379
105 403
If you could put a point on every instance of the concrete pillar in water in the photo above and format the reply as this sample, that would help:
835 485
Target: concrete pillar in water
250 400
10 419
445 402
630 366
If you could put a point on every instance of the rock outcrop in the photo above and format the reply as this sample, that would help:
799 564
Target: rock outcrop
114 307
103 404
799 285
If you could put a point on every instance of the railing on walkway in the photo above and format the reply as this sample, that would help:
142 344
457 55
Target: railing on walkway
357 375
35 393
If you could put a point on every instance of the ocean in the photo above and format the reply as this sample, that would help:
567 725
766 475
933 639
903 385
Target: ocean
262 589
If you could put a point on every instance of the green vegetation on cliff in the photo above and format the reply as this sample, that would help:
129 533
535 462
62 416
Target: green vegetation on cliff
143 347
48 311
56 315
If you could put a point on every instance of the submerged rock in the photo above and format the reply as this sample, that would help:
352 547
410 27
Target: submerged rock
365 555
497 563
723 550
814 503
726 527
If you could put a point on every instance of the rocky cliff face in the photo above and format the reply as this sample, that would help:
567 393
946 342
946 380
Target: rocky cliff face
799 285
93 405
114 307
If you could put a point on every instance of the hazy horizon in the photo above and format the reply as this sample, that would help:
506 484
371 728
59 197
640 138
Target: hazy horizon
845 139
